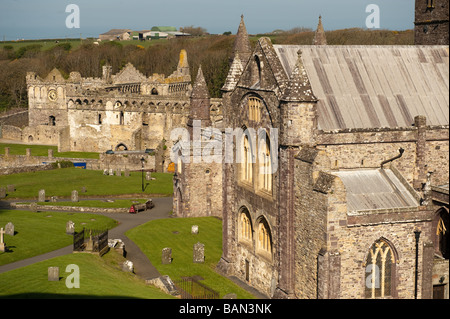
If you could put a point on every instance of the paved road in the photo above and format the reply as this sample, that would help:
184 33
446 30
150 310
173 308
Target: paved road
142 265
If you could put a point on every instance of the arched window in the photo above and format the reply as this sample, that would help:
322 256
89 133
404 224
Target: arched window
264 238
380 270
246 166
265 164
254 109
245 226
441 226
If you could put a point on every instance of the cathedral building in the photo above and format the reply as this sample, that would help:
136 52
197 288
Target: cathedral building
341 186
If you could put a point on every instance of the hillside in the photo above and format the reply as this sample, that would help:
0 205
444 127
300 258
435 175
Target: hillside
161 56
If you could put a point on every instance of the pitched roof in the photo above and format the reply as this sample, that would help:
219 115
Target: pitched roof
116 31
374 86
375 189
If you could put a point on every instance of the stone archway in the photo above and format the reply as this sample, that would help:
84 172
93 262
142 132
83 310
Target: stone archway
121 147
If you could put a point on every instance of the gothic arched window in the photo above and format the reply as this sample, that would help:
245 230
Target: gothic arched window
245 226
246 166
380 270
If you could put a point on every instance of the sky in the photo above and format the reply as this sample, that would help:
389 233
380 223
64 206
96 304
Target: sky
40 19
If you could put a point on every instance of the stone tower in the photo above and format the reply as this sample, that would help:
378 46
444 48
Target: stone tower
241 45
319 35
431 22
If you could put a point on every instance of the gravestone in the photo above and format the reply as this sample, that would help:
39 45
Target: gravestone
34 207
118 172
70 227
54 199
9 229
41 195
53 273
126 172
74 196
127 266
11 188
199 253
2 243
83 189
194 229
2 192
105 172
148 176
166 256
111 172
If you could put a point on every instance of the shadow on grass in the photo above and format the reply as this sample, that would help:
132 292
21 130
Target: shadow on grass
36 295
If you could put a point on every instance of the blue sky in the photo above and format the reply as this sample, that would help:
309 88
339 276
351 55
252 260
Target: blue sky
32 19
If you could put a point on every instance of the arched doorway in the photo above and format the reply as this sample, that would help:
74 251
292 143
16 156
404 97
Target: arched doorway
121 147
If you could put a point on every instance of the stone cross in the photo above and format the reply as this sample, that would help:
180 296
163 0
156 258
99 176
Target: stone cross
2 244
199 253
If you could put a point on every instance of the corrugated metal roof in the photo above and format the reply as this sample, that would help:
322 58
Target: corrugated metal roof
374 86
375 189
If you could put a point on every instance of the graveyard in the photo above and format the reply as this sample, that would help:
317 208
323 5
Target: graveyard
33 230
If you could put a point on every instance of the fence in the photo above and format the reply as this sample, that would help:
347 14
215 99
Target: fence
94 240
192 289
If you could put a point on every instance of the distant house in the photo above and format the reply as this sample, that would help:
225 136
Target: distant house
116 34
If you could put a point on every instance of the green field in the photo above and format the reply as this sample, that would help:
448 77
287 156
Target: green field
175 233
39 233
61 182
99 277
42 150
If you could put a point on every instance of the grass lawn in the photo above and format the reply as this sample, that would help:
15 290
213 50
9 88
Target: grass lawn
98 278
42 150
175 233
118 203
38 233
61 182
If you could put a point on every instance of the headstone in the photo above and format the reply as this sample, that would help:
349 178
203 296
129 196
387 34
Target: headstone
2 243
105 172
148 176
126 172
166 256
50 153
70 227
54 199
53 273
118 172
199 253
74 196
41 195
194 229
9 229
2 192
6 151
111 172
83 189
34 207
28 152
127 266
11 188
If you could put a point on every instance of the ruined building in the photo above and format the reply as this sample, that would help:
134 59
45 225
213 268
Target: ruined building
343 193
119 111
